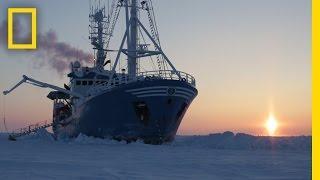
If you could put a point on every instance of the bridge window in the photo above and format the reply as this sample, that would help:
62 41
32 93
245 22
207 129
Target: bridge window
90 83
78 83
84 83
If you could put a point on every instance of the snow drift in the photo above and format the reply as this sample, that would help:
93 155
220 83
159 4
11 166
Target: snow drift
226 140
229 140
216 156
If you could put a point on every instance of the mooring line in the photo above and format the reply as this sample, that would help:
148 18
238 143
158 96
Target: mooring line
4 114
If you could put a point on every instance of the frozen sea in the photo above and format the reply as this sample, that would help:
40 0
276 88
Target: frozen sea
216 156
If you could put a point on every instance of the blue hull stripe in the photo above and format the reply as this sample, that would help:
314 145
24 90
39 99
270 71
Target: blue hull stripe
151 91
185 89
185 93
161 95
159 87
162 92
148 88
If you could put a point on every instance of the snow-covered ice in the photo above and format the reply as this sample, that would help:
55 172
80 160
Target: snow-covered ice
216 156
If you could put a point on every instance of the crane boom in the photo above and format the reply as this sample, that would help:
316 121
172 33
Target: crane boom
34 82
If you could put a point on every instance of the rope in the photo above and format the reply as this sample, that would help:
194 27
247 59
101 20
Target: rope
114 18
155 34
4 114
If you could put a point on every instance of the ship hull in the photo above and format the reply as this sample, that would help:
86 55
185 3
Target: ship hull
148 110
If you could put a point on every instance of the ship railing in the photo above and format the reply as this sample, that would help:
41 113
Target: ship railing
29 129
168 75
143 76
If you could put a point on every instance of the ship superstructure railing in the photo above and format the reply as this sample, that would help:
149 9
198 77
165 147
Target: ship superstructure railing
168 75
122 79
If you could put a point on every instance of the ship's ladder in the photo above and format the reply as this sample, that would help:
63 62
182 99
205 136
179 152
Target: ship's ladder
28 130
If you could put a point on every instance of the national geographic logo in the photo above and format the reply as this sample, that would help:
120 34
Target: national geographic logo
11 13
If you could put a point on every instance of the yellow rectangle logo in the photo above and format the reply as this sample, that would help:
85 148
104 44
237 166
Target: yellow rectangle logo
33 12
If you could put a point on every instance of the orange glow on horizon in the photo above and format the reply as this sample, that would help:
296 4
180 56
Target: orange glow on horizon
271 125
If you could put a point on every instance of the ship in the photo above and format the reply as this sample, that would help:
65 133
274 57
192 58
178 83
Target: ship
121 102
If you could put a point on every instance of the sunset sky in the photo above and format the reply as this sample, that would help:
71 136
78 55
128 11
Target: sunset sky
251 58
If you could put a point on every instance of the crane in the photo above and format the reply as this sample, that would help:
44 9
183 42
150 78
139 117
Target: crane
34 128
26 79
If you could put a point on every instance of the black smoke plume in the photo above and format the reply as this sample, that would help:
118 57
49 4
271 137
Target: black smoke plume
51 51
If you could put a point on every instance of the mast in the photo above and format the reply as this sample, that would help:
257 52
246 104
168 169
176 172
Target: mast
133 26
132 40
100 58
98 34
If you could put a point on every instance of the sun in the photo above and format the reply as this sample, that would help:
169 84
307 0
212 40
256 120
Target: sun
271 125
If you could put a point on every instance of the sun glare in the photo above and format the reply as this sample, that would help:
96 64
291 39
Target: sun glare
271 125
